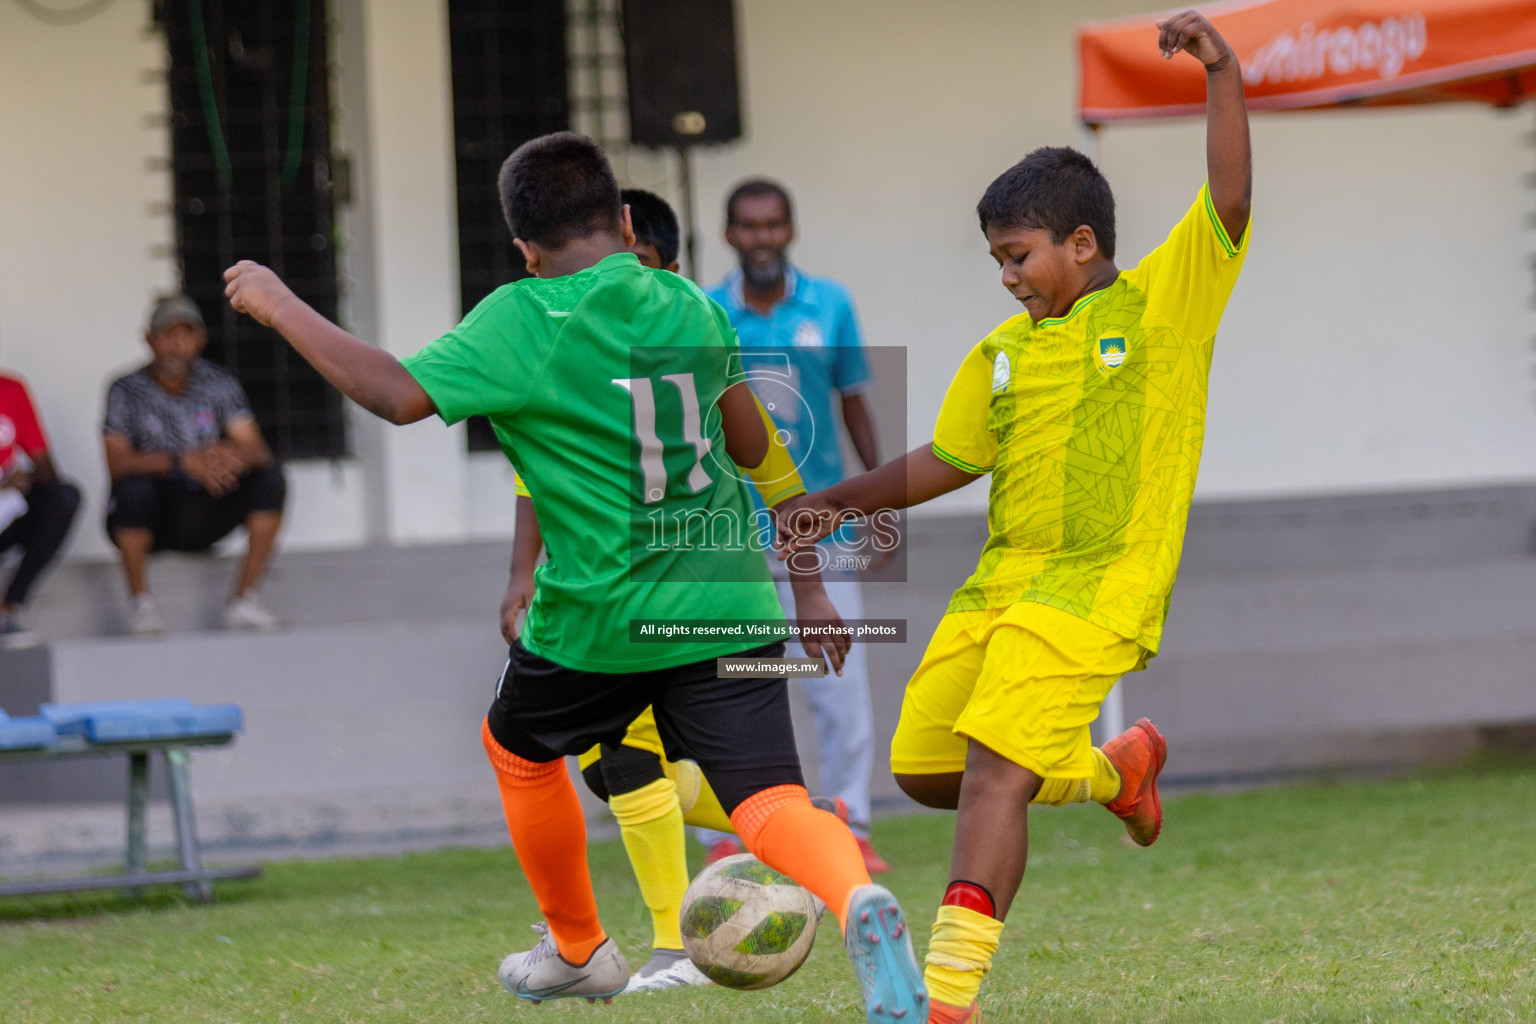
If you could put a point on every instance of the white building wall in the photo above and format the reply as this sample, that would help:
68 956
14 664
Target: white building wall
1379 337
84 239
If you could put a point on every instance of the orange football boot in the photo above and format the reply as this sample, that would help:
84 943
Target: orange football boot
1138 754
943 1013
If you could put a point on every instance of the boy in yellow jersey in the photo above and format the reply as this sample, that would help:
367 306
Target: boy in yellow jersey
651 796
1088 410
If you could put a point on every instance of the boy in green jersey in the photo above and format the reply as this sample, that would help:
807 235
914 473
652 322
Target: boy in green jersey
650 796
610 387
1088 412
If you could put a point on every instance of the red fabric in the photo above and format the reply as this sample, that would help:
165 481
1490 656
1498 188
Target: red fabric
1307 54
970 896
19 426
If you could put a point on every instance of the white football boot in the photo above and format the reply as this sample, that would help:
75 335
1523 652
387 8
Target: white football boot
542 973
667 968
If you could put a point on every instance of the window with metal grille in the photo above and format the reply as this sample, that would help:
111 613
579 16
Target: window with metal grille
251 146
509 86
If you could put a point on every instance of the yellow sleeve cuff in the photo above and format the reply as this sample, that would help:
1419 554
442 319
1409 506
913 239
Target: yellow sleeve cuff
959 463
777 479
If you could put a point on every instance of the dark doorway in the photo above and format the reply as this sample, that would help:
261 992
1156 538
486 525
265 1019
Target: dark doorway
509 86
251 158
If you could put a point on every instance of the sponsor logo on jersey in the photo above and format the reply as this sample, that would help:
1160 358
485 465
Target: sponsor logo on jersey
7 432
1002 373
1112 350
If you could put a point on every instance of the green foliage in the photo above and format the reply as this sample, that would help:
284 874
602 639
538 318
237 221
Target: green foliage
1410 900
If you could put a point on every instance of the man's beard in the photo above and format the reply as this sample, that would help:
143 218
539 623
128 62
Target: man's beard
764 275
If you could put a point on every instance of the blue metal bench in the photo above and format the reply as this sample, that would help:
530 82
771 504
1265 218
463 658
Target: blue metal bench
135 728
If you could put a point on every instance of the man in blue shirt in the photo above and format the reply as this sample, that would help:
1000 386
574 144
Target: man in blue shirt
800 346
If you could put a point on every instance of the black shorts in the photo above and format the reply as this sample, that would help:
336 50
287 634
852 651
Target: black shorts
738 730
183 516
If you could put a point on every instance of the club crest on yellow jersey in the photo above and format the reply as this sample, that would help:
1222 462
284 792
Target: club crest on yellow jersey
1112 351
1002 372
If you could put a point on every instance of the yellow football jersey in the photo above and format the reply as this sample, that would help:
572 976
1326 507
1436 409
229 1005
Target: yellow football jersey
1091 425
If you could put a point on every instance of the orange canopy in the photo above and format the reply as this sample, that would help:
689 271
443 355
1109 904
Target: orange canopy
1301 54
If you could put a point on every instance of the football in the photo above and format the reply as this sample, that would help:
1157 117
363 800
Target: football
746 926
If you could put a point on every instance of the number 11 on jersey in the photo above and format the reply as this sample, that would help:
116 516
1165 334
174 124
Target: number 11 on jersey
653 469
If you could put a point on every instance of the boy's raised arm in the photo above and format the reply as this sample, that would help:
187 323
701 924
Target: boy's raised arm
369 376
1228 158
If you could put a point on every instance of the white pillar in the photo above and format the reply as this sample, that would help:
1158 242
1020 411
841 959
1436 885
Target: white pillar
407 174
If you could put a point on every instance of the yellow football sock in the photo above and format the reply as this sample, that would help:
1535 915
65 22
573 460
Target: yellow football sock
699 804
1056 792
1101 789
960 954
1106 781
651 825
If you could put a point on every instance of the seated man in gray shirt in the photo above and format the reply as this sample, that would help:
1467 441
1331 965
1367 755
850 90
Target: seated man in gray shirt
188 465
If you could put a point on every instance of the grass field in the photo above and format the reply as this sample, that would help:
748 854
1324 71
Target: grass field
1409 900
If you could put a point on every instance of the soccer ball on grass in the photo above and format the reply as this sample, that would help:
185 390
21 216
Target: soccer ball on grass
746 926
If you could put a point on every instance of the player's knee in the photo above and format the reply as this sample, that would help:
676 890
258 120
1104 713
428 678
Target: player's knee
993 778
941 790
626 769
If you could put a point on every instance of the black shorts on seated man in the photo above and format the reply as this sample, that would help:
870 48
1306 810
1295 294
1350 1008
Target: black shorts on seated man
188 466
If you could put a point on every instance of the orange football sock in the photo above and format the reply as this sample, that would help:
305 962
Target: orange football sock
550 835
784 831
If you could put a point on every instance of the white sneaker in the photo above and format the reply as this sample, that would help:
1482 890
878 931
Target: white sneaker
245 611
542 973
14 636
144 618
667 968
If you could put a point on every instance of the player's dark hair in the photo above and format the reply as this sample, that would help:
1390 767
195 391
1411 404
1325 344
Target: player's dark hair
754 188
654 222
558 187
1056 189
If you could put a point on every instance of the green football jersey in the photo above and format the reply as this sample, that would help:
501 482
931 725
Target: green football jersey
602 389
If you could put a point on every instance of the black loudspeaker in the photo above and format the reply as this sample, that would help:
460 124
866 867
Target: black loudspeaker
680 62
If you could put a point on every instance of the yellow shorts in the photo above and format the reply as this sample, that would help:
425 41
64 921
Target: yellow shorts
1025 681
642 735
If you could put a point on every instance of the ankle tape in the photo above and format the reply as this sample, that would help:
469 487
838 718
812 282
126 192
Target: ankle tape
970 896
